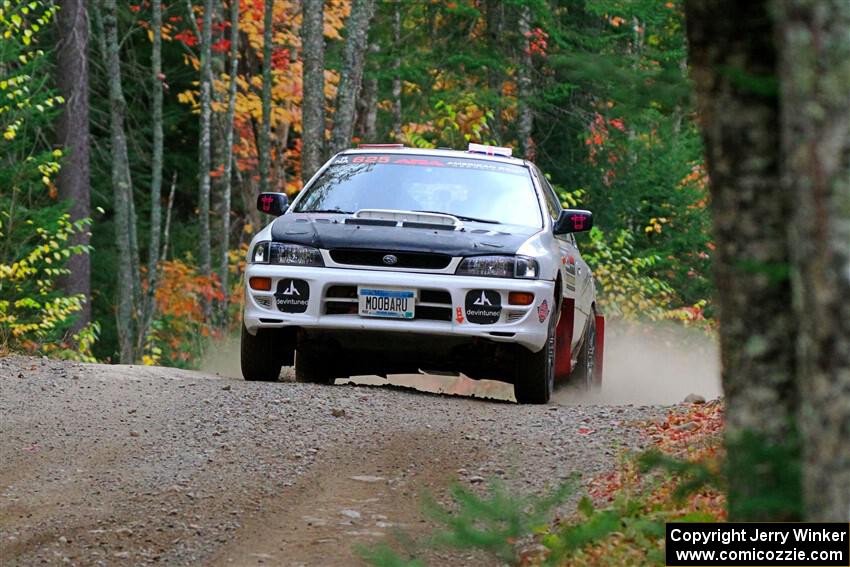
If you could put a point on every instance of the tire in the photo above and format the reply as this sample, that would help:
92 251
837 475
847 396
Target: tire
314 368
584 375
535 371
260 355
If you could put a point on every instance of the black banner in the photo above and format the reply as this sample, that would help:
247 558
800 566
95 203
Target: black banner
483 306
292 296
758 544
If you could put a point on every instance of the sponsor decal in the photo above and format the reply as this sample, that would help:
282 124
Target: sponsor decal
414 161
459 317
292 296
343 159
483 306
543 311
484 165
578 221
370 159
267 201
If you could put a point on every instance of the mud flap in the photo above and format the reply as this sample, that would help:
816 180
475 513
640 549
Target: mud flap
564 332
599 351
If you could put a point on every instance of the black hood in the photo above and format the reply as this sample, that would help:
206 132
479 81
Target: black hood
342 231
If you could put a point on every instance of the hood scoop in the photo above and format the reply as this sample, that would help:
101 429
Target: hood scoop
405 219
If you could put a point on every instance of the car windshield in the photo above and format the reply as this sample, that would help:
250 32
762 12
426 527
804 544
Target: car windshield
470 189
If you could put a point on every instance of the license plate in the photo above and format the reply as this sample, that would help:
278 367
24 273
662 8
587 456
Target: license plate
390 303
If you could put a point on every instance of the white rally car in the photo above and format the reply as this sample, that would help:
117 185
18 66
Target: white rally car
396 260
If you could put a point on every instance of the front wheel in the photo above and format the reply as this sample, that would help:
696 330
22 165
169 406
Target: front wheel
534 377
259 356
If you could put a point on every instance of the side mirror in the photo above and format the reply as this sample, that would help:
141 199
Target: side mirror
272 203
573 220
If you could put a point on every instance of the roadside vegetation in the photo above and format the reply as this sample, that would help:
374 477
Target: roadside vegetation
620 516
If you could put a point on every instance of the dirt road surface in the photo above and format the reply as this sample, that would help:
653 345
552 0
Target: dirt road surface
124 465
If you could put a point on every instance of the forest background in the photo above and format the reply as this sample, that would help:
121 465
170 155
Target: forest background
194 107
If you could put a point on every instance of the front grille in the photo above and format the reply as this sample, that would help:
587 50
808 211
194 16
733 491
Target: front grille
434 313
432 305
418 260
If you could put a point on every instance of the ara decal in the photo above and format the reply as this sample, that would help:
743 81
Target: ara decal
543 311
459 317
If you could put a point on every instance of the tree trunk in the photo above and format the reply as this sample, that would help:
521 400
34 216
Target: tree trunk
525 118
73 133
228 152
734 67
135 262
266 127
814 46
121 186
367 105
313 80
354 57
280 141
396 66
156 174
494 19
204 150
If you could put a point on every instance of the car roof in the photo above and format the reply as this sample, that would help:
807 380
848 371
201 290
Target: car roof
442 152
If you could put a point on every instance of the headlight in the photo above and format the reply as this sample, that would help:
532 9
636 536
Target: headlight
499 267
286 254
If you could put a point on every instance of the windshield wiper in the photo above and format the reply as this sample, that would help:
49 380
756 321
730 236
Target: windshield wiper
461 217
335 211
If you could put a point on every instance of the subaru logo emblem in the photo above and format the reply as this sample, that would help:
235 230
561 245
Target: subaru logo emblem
390 260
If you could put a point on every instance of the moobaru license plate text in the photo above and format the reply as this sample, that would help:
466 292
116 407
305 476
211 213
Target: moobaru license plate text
394 303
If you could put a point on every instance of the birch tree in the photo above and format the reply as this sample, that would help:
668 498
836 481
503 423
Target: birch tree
121 186
313 80
396 67
73 135
814 73
525 118
228 150
351 75
266 127
204 144
156 171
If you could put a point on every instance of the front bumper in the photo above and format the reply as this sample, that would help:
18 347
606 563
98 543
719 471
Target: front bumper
447 293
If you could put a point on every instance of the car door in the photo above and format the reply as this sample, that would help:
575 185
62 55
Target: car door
574 272
584 283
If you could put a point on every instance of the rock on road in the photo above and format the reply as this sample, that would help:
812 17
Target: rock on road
131 465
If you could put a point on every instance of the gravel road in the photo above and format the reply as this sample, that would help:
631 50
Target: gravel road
130 465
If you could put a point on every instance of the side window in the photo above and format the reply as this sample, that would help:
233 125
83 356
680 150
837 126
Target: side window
552 201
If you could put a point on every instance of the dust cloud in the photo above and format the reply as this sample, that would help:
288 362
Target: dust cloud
644 365
653 364
221 357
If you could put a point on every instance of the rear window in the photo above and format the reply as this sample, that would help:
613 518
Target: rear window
470 189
